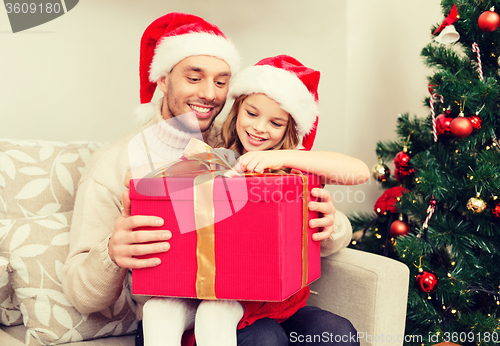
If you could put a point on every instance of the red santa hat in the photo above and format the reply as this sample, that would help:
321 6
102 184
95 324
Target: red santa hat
172 38
288 82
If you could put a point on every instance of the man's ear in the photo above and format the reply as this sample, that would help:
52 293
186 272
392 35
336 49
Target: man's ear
162 84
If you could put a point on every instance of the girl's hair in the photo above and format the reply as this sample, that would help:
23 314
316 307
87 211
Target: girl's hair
230 139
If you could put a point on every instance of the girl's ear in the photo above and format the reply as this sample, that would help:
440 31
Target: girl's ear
162 84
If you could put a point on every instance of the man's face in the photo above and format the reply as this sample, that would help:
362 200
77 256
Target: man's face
197 85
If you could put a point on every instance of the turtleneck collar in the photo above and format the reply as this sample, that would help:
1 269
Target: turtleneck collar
167 134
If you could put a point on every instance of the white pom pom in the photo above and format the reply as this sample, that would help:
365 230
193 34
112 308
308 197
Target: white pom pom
144 112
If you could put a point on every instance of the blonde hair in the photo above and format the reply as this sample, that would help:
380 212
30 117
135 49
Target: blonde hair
230 139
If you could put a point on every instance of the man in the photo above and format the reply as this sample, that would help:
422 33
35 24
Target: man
191 62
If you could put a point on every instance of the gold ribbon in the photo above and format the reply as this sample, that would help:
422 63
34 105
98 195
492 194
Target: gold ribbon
205 236
305 234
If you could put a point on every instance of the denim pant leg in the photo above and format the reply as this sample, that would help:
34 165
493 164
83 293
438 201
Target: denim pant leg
263 332
311 325
139 335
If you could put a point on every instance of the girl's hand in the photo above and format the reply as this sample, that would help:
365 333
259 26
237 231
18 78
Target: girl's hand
326 220
258 161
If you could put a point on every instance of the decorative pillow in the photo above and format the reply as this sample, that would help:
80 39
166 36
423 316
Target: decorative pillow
38 248
37 178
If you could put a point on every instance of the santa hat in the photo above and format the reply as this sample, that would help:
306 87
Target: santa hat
172 38
288 82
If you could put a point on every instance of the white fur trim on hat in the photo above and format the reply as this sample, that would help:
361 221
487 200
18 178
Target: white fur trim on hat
172 49
144 112
283 87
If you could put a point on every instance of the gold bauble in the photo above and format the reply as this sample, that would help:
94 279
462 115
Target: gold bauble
380 172
476 205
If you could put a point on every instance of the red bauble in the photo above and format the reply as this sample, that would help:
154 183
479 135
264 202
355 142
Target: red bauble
401 173
443 123
402 159
426 281
475 121
495 210
387 202
488 21
461 127
431 88
399 228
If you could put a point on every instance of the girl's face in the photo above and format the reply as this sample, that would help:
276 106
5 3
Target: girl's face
260 123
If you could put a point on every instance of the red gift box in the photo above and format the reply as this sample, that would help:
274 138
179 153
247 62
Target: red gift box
258 248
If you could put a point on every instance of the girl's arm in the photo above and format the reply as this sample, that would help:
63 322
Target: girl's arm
333 168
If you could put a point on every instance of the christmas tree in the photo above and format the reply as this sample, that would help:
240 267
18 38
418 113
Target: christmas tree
439 212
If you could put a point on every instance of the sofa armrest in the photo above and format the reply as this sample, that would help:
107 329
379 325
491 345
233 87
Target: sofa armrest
369 290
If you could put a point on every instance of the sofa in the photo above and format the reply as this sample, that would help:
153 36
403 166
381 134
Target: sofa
38 181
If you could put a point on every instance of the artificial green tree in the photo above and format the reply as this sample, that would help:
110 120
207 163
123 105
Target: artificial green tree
439 213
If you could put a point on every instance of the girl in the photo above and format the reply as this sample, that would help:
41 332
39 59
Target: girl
275 112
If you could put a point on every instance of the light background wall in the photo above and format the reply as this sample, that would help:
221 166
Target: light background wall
76 77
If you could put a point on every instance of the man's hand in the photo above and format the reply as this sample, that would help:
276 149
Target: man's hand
327 209
125 244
